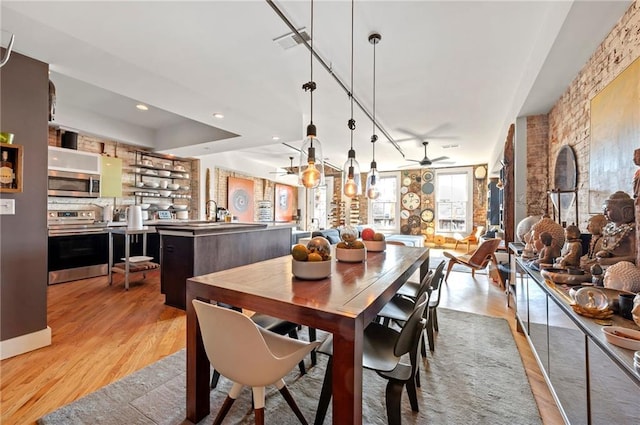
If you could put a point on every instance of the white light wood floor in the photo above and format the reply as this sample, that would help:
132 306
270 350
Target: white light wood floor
103 333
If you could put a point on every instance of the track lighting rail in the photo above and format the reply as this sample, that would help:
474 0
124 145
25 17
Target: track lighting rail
333 74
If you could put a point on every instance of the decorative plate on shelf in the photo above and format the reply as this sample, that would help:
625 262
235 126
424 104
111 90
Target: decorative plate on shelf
427 188
410 201
427 176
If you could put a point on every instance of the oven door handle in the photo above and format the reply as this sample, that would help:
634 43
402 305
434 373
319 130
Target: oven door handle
76 232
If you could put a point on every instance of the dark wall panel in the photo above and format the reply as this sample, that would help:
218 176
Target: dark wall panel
24 88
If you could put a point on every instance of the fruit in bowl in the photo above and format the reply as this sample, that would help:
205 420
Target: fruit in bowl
321 246
368 234
311 262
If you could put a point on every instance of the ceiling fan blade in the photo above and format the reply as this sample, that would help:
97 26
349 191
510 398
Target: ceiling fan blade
440 158
412 160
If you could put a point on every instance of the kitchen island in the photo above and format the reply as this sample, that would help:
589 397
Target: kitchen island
196 248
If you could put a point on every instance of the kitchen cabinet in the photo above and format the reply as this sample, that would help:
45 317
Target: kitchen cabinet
592 381
164 182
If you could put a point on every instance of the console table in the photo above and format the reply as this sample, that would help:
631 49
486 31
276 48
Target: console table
592 381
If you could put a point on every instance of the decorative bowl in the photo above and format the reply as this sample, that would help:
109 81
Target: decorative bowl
375 246
180 207
185 187
144 206
173 186
165 193
622 337
163 206
164 173
351 255
152 184
311 270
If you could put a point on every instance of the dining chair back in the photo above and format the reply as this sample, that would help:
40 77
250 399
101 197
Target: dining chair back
248 355
383 351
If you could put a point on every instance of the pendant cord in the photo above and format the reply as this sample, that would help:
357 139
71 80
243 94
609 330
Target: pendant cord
374 137
352 123
311 61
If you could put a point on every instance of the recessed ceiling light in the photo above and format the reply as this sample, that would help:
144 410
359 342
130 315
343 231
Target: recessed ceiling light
218 115
142 107
275 138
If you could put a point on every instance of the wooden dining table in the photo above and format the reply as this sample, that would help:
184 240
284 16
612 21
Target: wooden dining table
342 304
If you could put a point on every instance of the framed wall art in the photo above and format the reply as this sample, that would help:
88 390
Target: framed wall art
283 202
240 198
615 132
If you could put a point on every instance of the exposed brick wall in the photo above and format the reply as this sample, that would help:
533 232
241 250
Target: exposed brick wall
127 153
263 190
569 119
538 165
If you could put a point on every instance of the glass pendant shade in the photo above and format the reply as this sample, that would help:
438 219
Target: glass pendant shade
311 172
373 191
351 182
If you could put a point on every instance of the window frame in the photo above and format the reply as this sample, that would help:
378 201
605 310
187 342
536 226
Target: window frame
468 171
370 220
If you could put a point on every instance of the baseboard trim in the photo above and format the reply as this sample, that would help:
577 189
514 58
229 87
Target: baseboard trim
25 343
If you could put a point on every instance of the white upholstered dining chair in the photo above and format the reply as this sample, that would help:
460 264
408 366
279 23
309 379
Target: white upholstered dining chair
249 356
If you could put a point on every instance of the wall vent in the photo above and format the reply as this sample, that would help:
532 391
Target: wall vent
291 39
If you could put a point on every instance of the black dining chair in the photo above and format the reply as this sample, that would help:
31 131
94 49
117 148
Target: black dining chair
383 348
400 307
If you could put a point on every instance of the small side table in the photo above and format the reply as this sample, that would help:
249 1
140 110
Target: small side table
129 266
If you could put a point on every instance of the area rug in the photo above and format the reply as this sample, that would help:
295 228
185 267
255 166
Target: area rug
475 376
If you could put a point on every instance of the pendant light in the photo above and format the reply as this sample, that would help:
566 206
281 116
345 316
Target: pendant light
373 191
351 184
311 170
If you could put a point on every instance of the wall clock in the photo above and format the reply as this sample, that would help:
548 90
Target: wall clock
404 214
410 201
427 215
404 189
427 176
406 181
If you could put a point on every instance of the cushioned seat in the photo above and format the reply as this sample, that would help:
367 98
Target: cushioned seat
332 235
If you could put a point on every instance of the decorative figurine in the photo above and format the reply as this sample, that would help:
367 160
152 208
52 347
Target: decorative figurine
597 275
619 236
572 248
594 226
546 224
623 276
549 251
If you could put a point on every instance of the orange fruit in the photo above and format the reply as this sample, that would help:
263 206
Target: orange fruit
314 256
342 245
378 237
300 252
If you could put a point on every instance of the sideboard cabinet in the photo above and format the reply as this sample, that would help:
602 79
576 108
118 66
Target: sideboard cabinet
592 381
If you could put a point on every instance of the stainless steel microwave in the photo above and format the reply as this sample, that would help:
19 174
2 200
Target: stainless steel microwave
73 184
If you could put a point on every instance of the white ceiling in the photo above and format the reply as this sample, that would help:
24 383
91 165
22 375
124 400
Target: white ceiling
451 72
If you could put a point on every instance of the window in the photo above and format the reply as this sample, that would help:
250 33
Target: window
383 212
453 200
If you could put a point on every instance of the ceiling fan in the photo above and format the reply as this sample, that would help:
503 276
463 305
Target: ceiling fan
289 170
425 162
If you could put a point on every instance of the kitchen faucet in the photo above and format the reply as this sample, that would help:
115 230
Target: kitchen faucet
209 211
